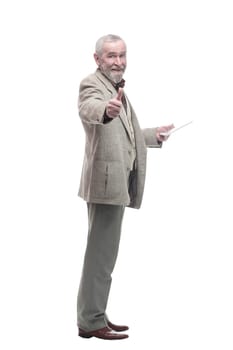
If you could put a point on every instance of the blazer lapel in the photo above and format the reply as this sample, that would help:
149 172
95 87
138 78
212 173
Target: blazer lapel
125 119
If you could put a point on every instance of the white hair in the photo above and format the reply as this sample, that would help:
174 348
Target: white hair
106 38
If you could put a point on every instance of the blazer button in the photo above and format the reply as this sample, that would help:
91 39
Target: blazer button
130 153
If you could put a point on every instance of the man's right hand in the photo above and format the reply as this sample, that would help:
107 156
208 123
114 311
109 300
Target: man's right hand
114 105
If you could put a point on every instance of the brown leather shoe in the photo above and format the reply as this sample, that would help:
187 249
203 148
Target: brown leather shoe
117 328
103 333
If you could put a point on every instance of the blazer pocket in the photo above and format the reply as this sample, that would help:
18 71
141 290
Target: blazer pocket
107 178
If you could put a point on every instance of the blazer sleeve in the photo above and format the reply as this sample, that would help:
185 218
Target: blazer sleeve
150 138
91 102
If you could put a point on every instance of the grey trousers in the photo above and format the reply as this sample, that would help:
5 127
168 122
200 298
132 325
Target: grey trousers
104 231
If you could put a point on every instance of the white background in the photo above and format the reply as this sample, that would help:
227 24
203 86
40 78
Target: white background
173 279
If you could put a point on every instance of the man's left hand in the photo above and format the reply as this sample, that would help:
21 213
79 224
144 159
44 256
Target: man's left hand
163 129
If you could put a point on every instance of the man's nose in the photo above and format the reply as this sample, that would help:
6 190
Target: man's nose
117 60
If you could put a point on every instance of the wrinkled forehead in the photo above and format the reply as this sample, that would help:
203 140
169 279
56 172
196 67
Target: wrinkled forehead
114 47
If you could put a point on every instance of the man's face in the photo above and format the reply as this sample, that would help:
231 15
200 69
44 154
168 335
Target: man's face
112 62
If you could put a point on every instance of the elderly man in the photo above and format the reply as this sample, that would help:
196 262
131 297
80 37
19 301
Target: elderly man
113 177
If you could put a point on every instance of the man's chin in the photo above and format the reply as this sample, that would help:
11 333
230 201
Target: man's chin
116 78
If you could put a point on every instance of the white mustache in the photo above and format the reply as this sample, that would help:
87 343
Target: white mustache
122 68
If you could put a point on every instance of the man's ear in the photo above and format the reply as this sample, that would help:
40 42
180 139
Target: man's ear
97 60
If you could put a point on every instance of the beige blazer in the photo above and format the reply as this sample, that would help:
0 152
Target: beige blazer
108 150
